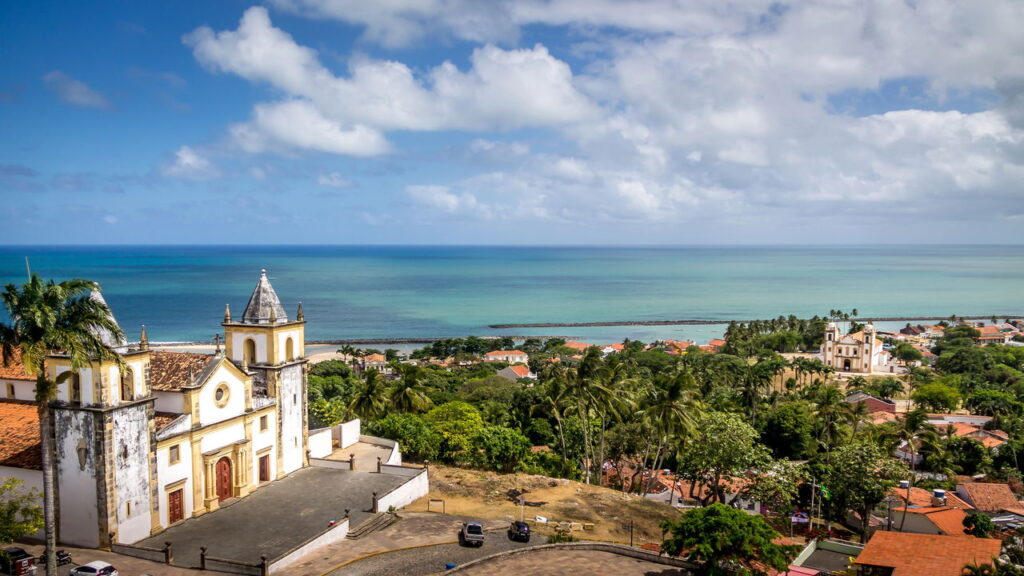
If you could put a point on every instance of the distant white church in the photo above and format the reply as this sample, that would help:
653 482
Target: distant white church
860 352
173 435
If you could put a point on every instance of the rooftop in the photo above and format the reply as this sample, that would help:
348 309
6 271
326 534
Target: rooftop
19 429
264 306
987 496
927 554
172 371
14 370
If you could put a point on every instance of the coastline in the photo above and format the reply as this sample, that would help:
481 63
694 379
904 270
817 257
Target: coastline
720 322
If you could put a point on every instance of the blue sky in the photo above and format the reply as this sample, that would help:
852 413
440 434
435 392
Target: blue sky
511 121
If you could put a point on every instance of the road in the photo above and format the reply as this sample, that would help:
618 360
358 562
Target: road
431 559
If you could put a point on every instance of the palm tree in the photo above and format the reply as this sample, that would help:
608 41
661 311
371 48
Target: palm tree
669 411
368 401
410 394
910 429
46 317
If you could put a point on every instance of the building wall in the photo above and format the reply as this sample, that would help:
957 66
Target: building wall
264 443
238 339
176 476
132 474
169 401
209 410
30 480
291 401
18 389
297 340
78 451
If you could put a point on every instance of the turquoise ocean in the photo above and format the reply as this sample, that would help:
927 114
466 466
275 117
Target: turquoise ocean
373 292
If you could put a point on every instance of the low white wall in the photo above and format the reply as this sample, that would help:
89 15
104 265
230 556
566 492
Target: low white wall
417 487
336 533
335 464
320 443
348 433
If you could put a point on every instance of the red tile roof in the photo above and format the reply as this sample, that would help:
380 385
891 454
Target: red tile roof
988 497
948 520
14 369
19 435
927 554
923 498
520 370
506 353
171 371
581 346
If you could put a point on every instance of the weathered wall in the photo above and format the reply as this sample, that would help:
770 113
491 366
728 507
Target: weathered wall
131 444
291 404
78 449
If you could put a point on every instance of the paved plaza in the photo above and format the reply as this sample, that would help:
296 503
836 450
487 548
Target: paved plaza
570 563
276 518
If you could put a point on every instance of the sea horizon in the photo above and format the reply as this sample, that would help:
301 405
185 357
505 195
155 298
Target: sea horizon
374 292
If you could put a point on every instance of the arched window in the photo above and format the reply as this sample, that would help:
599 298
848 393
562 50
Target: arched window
289 349
75 389
249 351
127 385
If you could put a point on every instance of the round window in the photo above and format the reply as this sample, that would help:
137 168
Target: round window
221 394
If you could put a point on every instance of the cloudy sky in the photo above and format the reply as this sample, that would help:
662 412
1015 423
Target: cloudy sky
512 122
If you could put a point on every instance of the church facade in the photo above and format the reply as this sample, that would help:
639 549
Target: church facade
167 436
860 352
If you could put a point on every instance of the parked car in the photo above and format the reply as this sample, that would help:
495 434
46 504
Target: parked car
472 534
94 568
16 562
519 531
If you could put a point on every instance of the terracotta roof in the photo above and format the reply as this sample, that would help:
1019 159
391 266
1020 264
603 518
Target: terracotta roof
926 554
14 370
520 370
581 346
923 498
506 353
172 371
989 497
162 419
19 435
948 520
375 358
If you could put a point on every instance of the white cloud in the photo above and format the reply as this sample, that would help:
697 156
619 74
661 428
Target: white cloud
442 200
333 180
503 89
73 91
189 163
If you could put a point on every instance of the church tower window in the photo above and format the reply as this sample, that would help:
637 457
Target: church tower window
249 353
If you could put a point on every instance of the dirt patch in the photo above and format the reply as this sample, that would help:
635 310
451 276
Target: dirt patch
490 495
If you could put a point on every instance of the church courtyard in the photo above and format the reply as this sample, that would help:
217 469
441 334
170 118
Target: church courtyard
276 518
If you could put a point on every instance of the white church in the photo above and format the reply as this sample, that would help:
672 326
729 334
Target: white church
172 436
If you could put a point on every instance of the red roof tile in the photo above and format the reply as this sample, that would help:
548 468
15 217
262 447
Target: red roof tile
171 371
19 435
14 369
923 498
927 554
988 497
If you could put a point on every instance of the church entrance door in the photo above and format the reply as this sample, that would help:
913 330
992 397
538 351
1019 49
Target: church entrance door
846 366
175 507
223 479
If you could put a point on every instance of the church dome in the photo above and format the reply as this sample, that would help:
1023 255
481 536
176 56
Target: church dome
264 306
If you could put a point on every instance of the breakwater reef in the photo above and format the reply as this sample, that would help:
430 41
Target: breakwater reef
717 322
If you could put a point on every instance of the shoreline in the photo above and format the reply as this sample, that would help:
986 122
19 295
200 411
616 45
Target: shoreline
717 322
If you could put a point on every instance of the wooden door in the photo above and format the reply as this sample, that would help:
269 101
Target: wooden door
265 468
175 507
223 479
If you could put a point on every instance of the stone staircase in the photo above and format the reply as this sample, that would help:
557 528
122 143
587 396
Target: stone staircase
371 525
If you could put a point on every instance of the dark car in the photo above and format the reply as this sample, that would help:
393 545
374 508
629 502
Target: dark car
17 562
519 531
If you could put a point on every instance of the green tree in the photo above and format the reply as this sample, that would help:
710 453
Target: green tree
324 413
860 476
906 353
788 431
937 396
721 446
501 449
44 317
409 394
723 539
979 525
20 513
368 401
417 438
458 424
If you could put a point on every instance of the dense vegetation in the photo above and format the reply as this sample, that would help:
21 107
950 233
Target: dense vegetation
746 412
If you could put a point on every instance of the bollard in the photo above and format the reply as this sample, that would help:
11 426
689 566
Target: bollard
375 503
202 557
168 554
347 511
264 566
378 464
351 461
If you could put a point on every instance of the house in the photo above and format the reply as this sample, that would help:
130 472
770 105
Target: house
677 346
516 372
991 335
612 348
874 404
909 330
924 498
860 352
510 356
987 497
905 554
165 436
931 520
578 346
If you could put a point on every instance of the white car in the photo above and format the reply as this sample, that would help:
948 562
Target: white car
96 568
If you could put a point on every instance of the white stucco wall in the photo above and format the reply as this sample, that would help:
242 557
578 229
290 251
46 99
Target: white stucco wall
297 342
349 432
169 401
223 437
168 474
291 404
132 473
76 479
260 441
238 346
320 443
85 377
23 389
209 412
413 490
